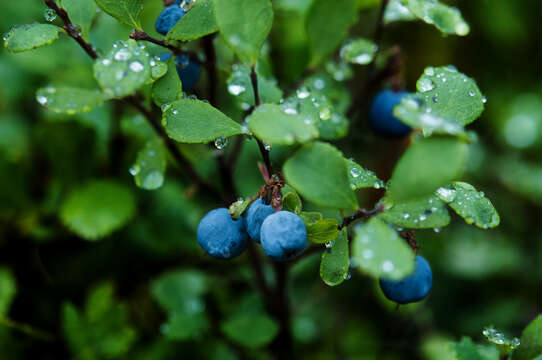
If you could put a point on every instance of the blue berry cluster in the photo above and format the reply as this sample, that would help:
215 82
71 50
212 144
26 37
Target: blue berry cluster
381 118
169 17
412 288
282 234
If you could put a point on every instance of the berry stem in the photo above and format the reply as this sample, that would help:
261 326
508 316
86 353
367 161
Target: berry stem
361 213
71 29
142 35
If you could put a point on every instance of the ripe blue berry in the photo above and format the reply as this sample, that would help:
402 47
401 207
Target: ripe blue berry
283 236
221 236
188 70
257 212
381 118
168 18
413 288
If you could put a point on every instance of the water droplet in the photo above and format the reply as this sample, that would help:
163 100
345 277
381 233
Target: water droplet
348 276
437 230
484 99
387 266
267 147
122 55
49 14
448 195
236 89
472 93
136 66
423 217
175 112
355 172
153 180
435 99
106 62
134 170
221 143
319 84
367 253
303 92
41 99
406 216
426 84
325 113
430 71
462 28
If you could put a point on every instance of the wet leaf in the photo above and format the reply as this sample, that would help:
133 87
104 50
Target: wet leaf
336 261
150 166
425 213
28 37
69 100
125 11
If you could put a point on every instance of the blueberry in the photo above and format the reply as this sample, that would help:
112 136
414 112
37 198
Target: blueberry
257 212
381 118
283 235
187 69
221 236
168 18
412 288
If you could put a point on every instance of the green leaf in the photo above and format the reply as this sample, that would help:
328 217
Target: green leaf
125 11
414 111
522 178
244 24
29 37
361 178
505 344
396 11
196 23
178 290
427 165
195 121
323 231
429 212
8 289
168 88
240 86
150 166
291 202
123 70
250 330
318 172
445 18
237 208
359 51
182 325
276 125
97 209
470 204
333 128
336 261
310 218
450 94
327 26
467 350
531 341
103 330
379 251
69 100
82 13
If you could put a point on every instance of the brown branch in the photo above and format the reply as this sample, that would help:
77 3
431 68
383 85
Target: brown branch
361 213
142 35
71 29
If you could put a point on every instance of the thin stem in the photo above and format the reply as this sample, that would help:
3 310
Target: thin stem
142 35
379 31
27 329
257 102
361 213
71 29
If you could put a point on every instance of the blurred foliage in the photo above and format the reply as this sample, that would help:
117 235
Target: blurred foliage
147 291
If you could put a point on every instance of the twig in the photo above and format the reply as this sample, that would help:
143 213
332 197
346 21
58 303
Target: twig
142 35
27 329
71 28
361 213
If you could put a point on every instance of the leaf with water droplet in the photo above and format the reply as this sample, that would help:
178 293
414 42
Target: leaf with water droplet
427 165
240 86
97 208
196 23
335 260
397 11
361 178
470 204
195 121
327 26
379 251
318 172
425 213
150 166
458 97
505 344
69 100
168 88
244 25
414 111
359 51
126 11
82 13
29 37
276 126
123 70
445 18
